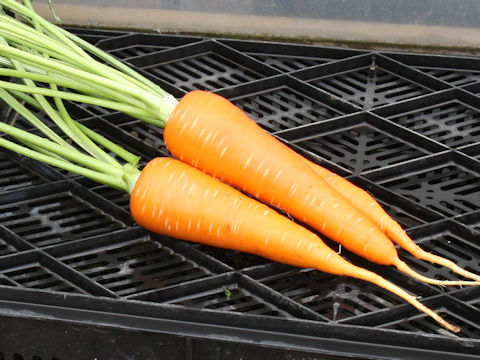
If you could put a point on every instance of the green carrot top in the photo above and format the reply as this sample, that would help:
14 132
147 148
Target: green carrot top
48 65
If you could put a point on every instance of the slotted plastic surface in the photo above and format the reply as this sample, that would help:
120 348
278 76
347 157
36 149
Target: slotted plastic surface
37 275
208 66
199 72
453 76
426 325
135 267
133 45
228 295
335 298
406 131
361 148
457 71
284 108
6 248
368 88
459 186
56 218
290 57
360 143
13 176
451 123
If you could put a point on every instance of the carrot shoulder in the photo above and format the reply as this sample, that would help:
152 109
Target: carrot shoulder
174 199
207 131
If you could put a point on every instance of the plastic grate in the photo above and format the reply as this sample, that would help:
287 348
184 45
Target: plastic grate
453 76
94 35
37 274
334 297
360 142
471 219
14 176
136 44
230 297
117 197
405 129
206 65
201 73
56 218
6 248
407 214
284 108
458 185
452 123
234 259
290 57
288 63
140 137
455 70
361 148
135 267
38 277
369 88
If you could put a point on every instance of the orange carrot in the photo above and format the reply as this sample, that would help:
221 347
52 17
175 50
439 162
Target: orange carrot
364 202
207 131
177 200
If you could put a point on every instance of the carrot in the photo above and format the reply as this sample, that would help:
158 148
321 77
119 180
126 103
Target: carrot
207 131
364 202
174 199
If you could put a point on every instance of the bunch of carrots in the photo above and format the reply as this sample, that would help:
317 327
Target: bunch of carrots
220 154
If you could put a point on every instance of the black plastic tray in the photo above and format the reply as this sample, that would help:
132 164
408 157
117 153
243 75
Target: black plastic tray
80 280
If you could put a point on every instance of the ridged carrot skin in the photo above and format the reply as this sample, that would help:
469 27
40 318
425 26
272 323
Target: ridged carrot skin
226 144
210 133
175 199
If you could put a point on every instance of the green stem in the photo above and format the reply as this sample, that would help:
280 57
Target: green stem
98 138
97 152
22 110
56 66
69 126
77 44
63 121
79 98
31 14
71 154
77 85
117 182
115 62
41 100
25 37
31 101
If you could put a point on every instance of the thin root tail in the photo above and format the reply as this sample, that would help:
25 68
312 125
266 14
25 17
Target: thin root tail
434 259
378 280
403 267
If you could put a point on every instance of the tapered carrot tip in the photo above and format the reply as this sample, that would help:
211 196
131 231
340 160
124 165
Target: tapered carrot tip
402 266
378 280
449 264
